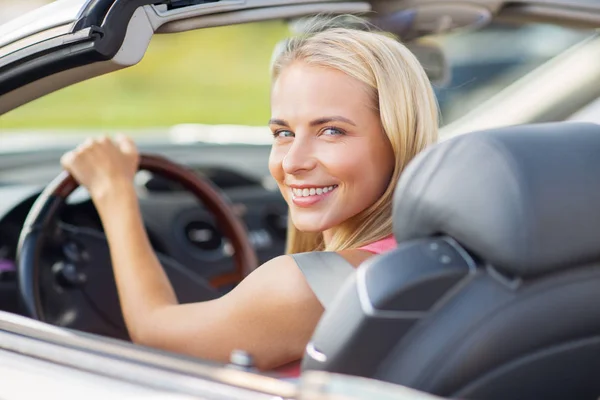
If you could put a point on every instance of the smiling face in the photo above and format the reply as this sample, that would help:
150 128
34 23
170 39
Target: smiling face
330 155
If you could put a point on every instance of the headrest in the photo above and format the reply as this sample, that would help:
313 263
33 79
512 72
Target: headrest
525 199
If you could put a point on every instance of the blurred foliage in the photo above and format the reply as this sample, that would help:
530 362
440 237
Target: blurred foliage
210 76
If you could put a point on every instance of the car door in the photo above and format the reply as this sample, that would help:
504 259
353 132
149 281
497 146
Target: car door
68 364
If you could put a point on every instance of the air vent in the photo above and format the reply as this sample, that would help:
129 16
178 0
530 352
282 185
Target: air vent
203 235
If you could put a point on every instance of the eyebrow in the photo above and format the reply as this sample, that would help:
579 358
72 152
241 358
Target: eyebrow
316 122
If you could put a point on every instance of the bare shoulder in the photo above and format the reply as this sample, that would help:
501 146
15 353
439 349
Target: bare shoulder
281 269
274 302
281 281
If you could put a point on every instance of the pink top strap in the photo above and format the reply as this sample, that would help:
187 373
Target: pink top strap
380 246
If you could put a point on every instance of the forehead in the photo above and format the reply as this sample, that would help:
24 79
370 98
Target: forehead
307 91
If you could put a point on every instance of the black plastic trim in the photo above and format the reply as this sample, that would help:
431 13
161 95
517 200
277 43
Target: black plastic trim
93 13
175 4
441 268
108 21
112 16
33 68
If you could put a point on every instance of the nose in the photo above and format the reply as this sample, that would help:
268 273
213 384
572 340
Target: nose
299 157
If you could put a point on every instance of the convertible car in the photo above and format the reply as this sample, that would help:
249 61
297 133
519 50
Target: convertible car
492 292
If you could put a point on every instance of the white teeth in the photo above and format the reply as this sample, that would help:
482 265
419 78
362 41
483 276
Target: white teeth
312 191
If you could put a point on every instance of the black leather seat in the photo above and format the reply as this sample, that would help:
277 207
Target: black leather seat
494 289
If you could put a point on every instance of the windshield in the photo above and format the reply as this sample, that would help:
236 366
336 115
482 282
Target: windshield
220 77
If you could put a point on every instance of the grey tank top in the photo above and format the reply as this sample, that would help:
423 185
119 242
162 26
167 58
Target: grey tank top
325 273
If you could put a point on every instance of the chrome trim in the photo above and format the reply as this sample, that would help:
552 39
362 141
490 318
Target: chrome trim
49 16
67 383
214 382
45 45
34 39
511 283
315 354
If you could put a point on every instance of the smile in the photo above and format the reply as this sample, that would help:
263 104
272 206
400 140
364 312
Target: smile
306 197
314 191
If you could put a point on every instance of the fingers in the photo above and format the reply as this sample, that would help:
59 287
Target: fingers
101 163
126 144
105 143
128 147
97 147
66 161
69 159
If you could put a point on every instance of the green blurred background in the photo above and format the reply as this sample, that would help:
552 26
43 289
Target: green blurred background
208 76
220 76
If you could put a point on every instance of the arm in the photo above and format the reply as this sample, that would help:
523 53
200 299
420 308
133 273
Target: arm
271 314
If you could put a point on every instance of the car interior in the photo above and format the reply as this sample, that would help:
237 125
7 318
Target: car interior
461 314
491 292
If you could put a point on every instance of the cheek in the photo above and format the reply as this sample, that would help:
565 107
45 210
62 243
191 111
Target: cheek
364 169
350 164
346 168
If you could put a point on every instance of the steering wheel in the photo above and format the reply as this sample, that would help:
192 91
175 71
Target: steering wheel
65 273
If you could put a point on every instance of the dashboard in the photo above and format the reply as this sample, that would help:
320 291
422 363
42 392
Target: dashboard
177 224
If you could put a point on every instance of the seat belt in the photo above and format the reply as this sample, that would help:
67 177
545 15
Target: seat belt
325 272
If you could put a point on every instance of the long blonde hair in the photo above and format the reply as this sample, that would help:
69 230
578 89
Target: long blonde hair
401 93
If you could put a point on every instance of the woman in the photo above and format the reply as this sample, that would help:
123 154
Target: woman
350 109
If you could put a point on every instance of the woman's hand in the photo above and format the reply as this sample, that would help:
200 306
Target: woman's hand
103 166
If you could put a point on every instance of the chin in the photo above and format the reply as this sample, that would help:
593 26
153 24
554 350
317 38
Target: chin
309 228
313 224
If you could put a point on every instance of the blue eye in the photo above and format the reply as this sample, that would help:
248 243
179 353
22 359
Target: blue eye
282 134
331 131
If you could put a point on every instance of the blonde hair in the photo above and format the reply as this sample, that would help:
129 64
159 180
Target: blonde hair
401 93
